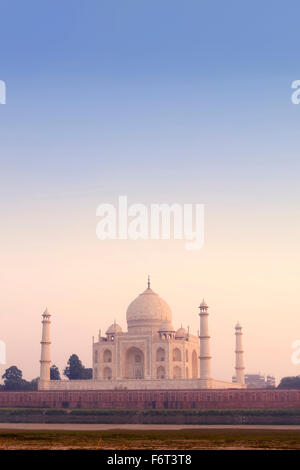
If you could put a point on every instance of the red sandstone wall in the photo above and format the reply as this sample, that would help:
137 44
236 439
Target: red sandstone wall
171 399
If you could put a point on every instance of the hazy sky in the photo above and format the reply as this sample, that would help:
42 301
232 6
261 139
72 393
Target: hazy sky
162 101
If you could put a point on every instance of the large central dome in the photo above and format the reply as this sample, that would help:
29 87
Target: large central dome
147 312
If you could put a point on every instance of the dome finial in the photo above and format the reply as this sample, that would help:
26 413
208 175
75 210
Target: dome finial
148 281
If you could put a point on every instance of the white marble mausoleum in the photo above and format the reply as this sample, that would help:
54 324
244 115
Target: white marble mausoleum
151 354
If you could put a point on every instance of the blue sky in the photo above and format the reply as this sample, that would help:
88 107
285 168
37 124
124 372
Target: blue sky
192 87
179 101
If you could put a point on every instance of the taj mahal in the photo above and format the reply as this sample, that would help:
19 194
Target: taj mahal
151 354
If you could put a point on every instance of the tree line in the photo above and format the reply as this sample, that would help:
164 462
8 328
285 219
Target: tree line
75 370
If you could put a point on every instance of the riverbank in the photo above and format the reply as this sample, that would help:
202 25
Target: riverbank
178 417
116 439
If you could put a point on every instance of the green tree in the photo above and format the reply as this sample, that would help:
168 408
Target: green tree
12 373
33 384
74 369
290 382
54 373
87 373
13 379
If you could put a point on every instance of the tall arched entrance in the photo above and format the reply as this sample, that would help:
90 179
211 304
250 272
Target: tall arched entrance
134 364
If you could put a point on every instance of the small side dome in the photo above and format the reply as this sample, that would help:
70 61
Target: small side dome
166 327
181 333
113 329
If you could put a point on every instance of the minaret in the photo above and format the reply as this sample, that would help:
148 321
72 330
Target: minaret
239 356
205 357
45 352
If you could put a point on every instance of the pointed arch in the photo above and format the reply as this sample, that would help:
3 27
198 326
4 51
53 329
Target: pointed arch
107 374
176 354
177 372
134 363
160 373
160 355
107 356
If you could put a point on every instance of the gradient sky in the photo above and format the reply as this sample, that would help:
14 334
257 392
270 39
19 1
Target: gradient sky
163 101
